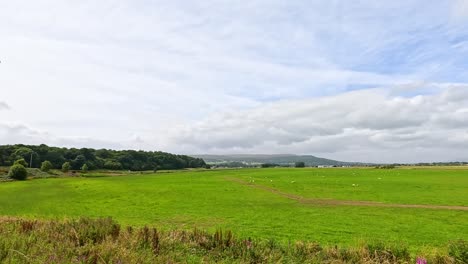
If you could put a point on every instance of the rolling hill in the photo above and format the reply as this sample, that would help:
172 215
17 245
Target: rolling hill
281 159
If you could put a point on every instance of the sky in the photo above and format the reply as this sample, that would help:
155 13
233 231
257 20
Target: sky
371 81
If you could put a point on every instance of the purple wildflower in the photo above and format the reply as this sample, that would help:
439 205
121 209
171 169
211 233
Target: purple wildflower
421 261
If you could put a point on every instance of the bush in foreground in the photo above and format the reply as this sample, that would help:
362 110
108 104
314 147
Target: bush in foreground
84 168
66 166
18 172
104 241
46 166
21 162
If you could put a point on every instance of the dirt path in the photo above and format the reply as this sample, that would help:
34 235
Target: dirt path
342 202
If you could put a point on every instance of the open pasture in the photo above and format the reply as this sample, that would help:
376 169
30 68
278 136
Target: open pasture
421 208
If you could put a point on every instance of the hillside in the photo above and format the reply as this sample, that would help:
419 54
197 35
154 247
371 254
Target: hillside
281 159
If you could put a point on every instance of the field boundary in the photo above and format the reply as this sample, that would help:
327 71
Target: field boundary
334 202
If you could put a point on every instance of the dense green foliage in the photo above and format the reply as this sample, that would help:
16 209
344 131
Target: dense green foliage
105 241
21 162
18 172
238 200
84 168
46 166
97 159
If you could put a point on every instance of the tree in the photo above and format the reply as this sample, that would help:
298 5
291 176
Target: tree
78 162
27 154
96 159
18 172
103 153
269 165
55 156
112 165
66 166
84 168
299 164
46 166
21 162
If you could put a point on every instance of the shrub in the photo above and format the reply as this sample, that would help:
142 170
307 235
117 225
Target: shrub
18 172
46 166
21 162
84 168
66 166
459 250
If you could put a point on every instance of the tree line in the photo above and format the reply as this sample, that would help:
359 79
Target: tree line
133 160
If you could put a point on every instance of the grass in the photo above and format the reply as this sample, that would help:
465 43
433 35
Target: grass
209 200
405 186
104 241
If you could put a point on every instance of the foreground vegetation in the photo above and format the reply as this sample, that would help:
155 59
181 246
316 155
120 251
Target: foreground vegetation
262 203
104 241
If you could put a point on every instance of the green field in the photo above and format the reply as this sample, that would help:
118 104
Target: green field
284 204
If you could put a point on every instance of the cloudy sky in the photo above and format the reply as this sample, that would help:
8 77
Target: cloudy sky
378 81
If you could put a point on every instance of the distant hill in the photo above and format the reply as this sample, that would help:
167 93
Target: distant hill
281 159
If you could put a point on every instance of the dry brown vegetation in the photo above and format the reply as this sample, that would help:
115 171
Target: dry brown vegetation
104 241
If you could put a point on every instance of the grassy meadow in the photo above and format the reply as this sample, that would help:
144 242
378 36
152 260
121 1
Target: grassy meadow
267 204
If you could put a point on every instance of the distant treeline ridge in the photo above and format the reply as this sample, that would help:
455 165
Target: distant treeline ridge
97 158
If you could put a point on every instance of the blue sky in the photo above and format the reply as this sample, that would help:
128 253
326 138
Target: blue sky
162 75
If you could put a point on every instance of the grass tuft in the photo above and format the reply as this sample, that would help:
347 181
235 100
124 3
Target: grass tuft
87 240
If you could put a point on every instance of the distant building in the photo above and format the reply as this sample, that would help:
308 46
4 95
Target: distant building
325 166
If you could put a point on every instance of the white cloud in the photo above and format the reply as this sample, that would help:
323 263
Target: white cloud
22 134
367 121
460 9
163 74
4 106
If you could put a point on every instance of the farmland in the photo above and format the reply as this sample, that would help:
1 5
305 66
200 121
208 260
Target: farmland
281 204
